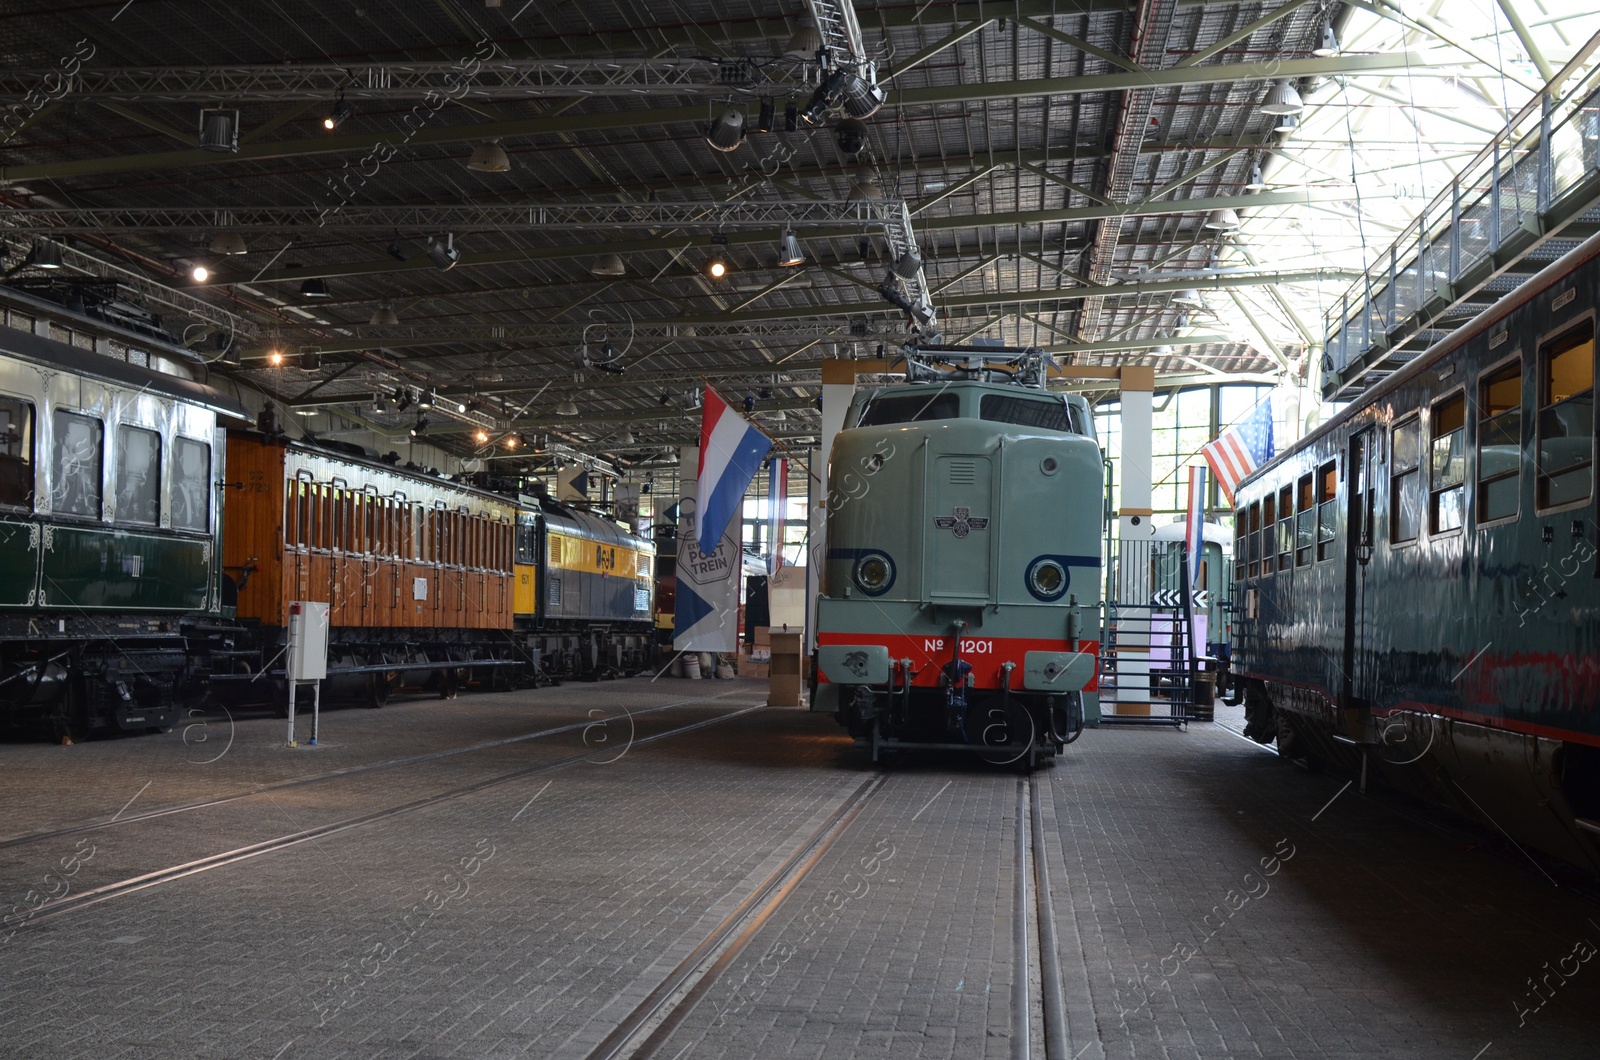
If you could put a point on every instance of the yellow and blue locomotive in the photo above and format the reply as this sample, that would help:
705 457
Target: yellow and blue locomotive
963 554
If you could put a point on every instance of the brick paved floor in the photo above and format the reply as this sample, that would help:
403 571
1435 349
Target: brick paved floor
523 919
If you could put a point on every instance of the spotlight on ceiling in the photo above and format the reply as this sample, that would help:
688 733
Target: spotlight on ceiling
1187 297
566 408
489 157
851 136
791 117
767 116
199 273
862 96
513 440
907 265
402 398
1329 45
625 438
314 288
716 267
1282 99
609 265
397 251
418 427
864 248
481 435
1257 181
47 254
824 99
444 255
228 244
427 398
219 131
336 114
726 131
664 400
1224 220
275 358
789 254
384 315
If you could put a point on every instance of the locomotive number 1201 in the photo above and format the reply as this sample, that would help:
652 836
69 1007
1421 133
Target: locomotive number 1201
968 647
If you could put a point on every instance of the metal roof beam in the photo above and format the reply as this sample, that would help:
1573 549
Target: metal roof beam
434 134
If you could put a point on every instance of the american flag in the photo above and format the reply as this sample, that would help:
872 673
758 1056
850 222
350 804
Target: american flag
1241 448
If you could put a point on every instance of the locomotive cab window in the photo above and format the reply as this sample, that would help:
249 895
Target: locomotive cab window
138 476
1448 466
1405 499
1025 412
1327 509
191 484
76 464
16 452
911 408
1566 417
1500 442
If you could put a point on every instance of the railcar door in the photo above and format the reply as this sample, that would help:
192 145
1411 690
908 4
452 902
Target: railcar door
1360 503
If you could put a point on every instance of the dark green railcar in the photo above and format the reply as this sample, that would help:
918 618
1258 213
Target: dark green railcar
110 548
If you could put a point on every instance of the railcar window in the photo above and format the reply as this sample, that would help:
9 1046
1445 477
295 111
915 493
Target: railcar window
16 452
1254 549
1269 527
1026 412
138 476
1447 483
191 484
1566 417
1305 528
1405 500
1500 443
1285 526
1241 549
1327 510
78 452
911 408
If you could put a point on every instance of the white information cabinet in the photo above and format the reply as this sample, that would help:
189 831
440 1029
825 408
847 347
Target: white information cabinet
307 658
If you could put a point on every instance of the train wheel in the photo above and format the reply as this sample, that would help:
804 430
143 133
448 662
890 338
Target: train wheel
377 691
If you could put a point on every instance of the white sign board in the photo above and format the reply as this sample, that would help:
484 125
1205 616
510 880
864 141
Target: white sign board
308 641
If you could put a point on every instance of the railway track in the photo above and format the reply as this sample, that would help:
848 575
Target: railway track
644 1032
336 774
131 885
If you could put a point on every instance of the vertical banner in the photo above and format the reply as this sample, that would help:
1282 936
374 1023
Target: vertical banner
572 484
777 509
1194 521
706 609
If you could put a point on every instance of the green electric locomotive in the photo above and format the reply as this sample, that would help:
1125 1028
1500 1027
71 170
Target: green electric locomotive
961 579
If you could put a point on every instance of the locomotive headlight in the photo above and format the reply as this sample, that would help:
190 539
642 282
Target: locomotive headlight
1047 579
873 573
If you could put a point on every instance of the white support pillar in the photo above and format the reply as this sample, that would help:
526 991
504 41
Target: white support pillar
1135 530
838 388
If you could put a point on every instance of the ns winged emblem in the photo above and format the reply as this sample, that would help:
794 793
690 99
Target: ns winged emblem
961 520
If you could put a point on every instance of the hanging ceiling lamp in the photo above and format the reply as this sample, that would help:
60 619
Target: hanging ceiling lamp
864 188
726 131
609 265
862 96
567 408
384 315
805 43
1282 98
1224 220
908 264
789 253
1287 123
1329 45
228 244
47 254
1187 297
1258 180
314 288
489 157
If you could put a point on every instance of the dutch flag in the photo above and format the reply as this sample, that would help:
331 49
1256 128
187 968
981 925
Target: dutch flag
731 451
